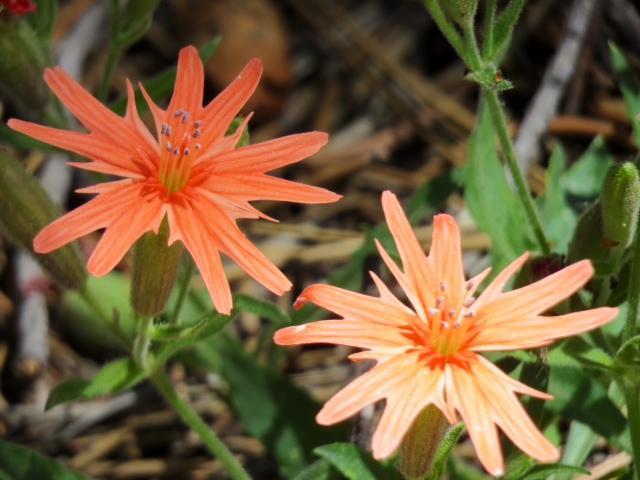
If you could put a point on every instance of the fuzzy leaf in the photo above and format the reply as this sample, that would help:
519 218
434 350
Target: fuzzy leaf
20 463
353 463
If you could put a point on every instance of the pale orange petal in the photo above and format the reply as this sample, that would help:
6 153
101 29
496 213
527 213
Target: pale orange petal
355 306
445 258
97 213
342 332
159 115
421 280
219 113
387 295
138 216
536 331
134 119
525 302
497 285
186 227
421 388
229 239
203 164
264 187
188 89
266 156
111 158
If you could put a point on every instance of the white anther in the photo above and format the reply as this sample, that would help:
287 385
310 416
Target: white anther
167 131
469 314
176 151
468 286
433 312
163 129
169 146
469 301
452 313
439 302
185 117
198 146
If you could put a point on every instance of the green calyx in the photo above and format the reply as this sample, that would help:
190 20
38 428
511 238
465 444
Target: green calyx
25 209
155 268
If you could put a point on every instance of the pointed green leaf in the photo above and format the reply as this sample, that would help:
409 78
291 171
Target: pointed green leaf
444 450
503 28
355 464
629 86
584 178
20 463
261 308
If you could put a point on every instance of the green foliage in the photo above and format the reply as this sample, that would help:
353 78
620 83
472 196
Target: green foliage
628 358
261 308
525 468
489 198
318 470
629 86
444 451
355 464
44 19
620 200
134 19
20 463
584 178
503 28
114 377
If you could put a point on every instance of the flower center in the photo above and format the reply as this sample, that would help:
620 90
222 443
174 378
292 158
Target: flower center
449 324
178 148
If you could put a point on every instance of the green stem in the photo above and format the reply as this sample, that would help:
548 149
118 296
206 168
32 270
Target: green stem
141 344
112 60
191 418
182 293
489 21
447 29
633 313
632 397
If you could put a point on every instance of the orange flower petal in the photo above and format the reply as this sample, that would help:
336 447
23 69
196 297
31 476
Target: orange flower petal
186 227
445 258
97 213
355 306
266 156
536 331
536 298
219 113
414 261
497 285
189 86
342 332
387 295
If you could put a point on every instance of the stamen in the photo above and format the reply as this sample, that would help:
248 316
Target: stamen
446 325
198 146
169 146
468 286
433 312
439 302
168 131
443 287
197 133
469 301
163 129
176 151
469 314
452 313
197 124
178 113
185 117
186 152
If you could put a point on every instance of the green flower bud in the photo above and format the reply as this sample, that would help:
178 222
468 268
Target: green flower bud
25 209
620 200
589 242
420 444
460 11
23 61
135 19
155 268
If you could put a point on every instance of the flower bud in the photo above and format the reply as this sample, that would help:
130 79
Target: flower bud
620 200
155 268
25 209
23 61
420 444
460 11
588 240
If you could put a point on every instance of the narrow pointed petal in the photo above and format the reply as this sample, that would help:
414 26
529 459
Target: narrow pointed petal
266 156
207 159
473 284
189 86
510 416
475 409
264 187
134 119
342 332
219 113
138 216
229 239
414 261
97 213
379 382
536 298
536 331
445 258
421 388
88 110
195 237
355 306
107 154
159 115
497 285
387 295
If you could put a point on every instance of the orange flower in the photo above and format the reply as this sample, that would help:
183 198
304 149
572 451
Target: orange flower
429 354
191 172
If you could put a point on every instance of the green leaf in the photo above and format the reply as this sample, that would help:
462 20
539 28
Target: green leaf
353 463
114 377
492 203
20 463
444 450
503 29
261 308
270 407
134 20
629 86
585 177
318 470
160 86
558 218
629 354
543 472
577 352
